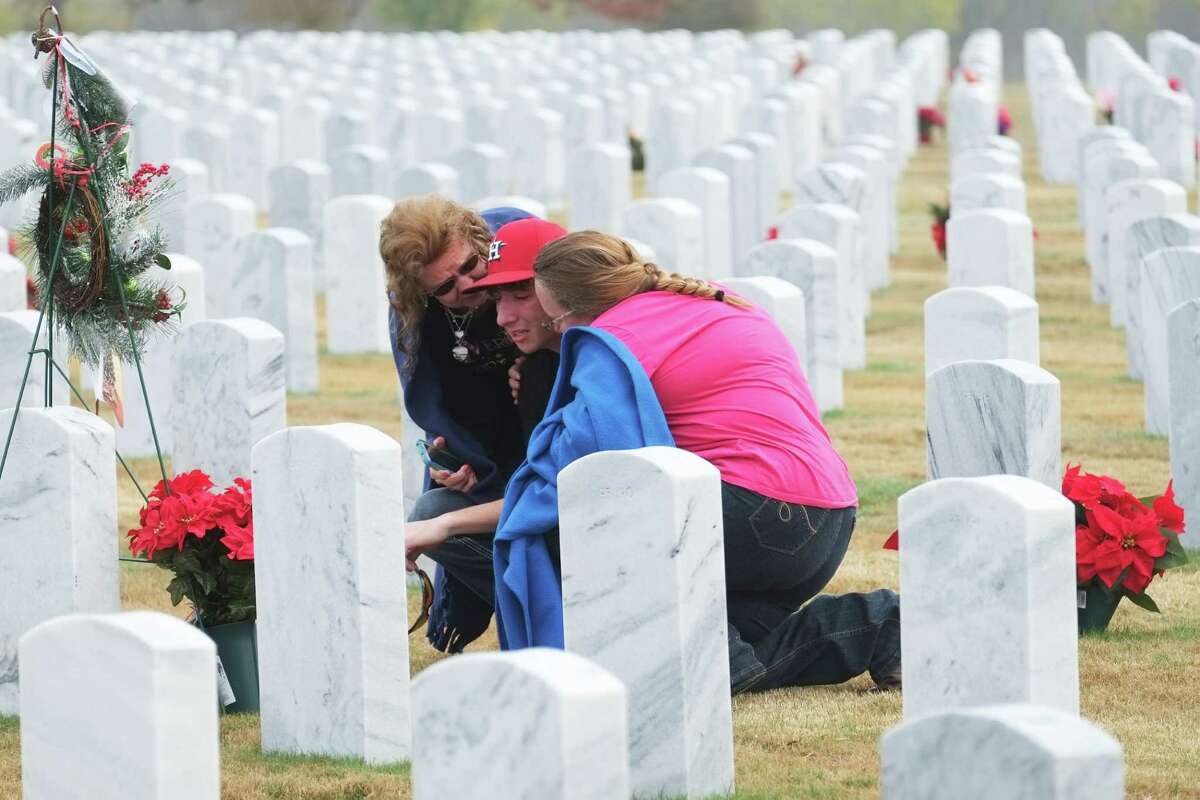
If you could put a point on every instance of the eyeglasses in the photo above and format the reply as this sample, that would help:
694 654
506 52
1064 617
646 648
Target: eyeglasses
467 267
552 324
426 600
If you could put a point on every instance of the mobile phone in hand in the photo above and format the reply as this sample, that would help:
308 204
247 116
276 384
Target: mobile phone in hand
439 457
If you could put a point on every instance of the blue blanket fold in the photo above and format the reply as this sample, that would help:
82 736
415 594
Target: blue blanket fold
602 400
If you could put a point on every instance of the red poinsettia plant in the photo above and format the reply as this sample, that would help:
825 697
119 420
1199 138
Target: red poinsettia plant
206 538
1122 542
941 214
929 118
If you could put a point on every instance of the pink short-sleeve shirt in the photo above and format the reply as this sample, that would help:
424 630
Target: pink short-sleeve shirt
733 392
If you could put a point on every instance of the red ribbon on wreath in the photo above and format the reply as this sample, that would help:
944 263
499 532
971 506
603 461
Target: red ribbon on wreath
62 166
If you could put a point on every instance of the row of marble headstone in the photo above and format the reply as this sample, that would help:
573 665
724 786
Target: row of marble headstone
1143 102
1143 250
640 701
1063 110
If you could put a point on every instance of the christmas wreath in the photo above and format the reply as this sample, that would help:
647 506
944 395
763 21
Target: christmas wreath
90 241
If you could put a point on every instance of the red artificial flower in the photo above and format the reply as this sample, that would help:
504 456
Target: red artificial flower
1170 515
1175 84
772 232
1129 543
1081 489
12 246
1003 121
188 513
184 483
938 230
31 294
893 541
152 536
239 541
1086 541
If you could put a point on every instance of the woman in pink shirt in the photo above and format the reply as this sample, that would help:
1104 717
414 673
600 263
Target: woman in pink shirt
733 392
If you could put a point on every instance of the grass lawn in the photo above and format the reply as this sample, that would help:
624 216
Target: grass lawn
1139 680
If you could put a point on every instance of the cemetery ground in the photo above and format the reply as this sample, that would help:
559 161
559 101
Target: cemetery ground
1138 680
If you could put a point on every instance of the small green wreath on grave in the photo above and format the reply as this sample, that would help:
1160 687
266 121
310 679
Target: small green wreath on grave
90 241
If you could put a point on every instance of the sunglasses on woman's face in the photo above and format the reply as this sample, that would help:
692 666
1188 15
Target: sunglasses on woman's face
467 267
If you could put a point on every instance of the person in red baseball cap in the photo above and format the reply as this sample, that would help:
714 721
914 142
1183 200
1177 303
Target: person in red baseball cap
460 537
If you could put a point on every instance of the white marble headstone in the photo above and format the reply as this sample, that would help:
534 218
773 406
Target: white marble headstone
737 163
16 340
768 176
600 186
12 280
998 417
1183 365
190 182
274 283
647 523
990 247
59 495
360 169
483 719
184 281
984 161
298 194
980 323
214 223
1143 238
119 707
671 139
483 171
812 267
987 572
782 300
427 178
332 613
1125 203
707 189
356 303
1170 277
673 227
1001 752
228 386
987 190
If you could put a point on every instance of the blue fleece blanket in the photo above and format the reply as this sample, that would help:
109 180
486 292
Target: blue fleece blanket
602 400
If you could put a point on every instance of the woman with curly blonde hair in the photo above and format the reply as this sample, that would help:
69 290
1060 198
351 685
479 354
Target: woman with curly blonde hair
730 389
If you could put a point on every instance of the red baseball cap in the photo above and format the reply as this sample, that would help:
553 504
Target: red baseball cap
514 248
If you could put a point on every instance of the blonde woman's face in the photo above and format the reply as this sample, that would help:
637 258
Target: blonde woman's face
455 271
561 318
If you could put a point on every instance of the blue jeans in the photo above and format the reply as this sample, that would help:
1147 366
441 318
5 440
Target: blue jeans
778 556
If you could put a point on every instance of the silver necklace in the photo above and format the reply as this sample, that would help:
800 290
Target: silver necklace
458 325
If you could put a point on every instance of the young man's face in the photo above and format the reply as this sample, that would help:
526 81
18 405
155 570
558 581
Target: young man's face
520 314
455 270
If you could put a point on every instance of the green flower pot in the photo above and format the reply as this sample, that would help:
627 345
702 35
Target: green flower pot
237 647
1096 607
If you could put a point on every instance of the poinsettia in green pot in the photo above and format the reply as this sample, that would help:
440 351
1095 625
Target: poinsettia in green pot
206 538
1121 544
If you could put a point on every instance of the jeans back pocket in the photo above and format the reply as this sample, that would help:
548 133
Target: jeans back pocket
786 527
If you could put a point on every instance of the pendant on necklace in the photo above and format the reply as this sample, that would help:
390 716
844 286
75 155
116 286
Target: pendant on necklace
460 351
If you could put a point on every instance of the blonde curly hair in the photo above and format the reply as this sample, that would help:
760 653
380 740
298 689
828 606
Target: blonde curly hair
416 232
589 272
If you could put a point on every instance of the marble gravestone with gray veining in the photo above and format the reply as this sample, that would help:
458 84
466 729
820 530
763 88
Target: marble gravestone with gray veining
671 139
16 340
538 158
708 190
214 223
298 193
1125 203
360 169
673 227
876 215
987 572
767 177
1001 752
812 267
990 247
839 227
1144 237
228 387
782 300
1168 128
998 417
190 182
600 186
119 707
1109 164
737 163
984 161
1170 277
59 501
1100 132
355 286
832 183
980 323
329 550
1183 366
184 281
533 723
647 523
987 190
273 282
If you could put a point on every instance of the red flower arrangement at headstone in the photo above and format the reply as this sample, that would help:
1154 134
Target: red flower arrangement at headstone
928 118
207 540
938 229
1003 121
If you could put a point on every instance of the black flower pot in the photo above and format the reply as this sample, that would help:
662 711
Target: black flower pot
1097 604
237 648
